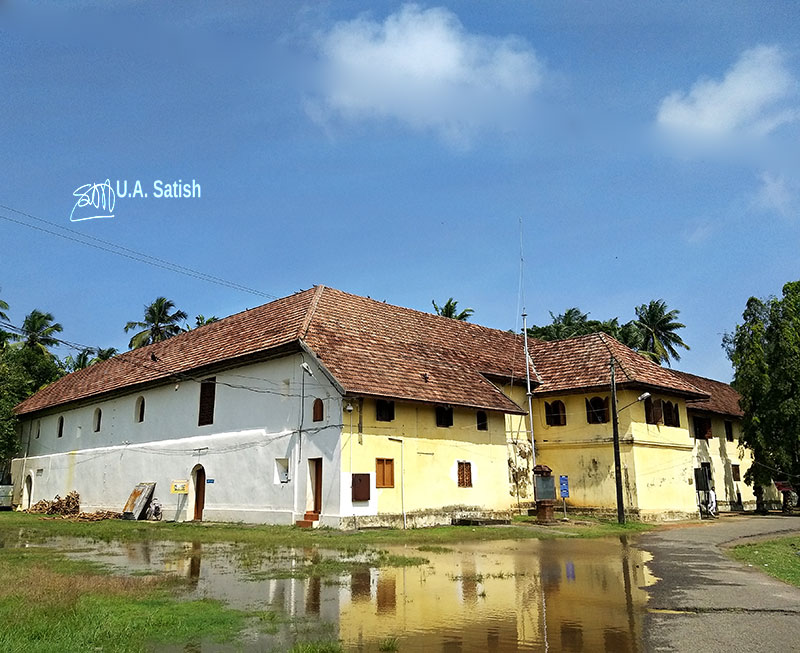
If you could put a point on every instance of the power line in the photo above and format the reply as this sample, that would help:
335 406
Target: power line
126 252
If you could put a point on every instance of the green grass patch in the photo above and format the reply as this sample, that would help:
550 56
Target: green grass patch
274 537
583 526
58 604
779 558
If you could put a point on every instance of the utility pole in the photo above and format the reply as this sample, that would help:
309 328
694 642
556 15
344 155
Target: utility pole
617 463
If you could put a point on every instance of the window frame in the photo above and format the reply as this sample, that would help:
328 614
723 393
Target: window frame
381 465
736 472
384 410
207 401
318 410
552 415
728 430
709 432
482 420
593 416
464 473
444 417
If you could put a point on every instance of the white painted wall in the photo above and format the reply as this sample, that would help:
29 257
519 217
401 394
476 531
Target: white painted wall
253 425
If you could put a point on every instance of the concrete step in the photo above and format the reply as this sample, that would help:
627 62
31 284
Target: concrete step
311 516
304 523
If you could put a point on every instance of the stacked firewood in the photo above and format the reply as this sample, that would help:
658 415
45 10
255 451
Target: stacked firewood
69 506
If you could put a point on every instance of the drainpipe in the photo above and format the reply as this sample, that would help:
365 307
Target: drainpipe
402 480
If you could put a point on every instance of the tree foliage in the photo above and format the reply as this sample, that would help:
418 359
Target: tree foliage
652 333
450 309
158 324
765 352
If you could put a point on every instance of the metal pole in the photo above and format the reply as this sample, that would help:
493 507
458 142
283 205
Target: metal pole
617 463
530 394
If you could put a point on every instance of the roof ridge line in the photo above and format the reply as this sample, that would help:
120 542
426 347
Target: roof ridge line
622 367
312 308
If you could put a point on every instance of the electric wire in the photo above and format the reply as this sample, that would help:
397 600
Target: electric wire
126 252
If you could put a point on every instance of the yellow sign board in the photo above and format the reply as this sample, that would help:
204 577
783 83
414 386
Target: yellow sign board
179 487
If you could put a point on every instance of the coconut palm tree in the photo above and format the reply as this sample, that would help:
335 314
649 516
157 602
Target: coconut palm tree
159 324
658 327
3 307
202 320
79 361
38 331
450 309
104 354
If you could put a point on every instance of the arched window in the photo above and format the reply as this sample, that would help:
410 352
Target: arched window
98 416
139 413
597 410
319 410
672 416
60 427
555 414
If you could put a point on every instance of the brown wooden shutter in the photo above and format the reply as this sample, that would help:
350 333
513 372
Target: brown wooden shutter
559 413
589 412
648 410
360 487
658 411
319 410
208 389
548 413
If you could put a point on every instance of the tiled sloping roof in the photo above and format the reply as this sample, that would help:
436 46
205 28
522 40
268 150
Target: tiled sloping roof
583 362
370 347
723 400
383 350
254 330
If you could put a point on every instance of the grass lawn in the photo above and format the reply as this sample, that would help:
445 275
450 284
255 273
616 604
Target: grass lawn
271 537
779 558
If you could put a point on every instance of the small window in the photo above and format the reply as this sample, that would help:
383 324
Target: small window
555 413
208 390
729 431
653 410
384 410
597 410
384 472
98 416
702 428
318 410
483 420
464 474
444 416
281 470
60 427
672 415
735 473
139 413
38 428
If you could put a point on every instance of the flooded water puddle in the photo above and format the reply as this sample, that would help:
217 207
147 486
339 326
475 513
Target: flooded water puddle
529 595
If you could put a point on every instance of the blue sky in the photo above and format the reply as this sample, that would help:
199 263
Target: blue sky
650 150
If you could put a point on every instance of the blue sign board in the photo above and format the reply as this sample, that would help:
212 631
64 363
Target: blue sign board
563 482
209 480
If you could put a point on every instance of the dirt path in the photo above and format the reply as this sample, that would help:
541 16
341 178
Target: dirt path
707 602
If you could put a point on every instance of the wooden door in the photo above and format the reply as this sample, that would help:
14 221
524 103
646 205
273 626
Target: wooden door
199 493
318 485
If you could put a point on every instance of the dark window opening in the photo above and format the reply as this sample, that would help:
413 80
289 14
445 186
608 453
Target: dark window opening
672 415
384 472
384 410
98 416
597 410
735 473
444 416
38 428
208 390
653 410
140 409
729 431
464 474
319 410
60 427
555 414
702 428
483 421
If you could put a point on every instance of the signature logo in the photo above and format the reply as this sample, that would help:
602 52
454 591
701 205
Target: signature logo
98 196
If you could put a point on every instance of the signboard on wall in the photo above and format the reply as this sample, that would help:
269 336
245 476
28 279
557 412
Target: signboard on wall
179 487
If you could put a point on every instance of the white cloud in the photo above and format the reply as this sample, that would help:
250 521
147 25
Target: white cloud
422 68
776 195
757 95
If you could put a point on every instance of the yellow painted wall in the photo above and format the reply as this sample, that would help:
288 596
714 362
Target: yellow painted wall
722 454
430 456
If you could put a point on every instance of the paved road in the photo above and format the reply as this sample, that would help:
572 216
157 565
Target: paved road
712 603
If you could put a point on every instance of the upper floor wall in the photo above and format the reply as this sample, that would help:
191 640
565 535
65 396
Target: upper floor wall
276 395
